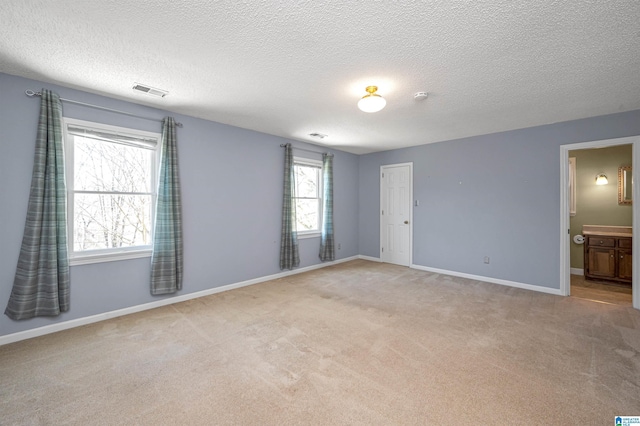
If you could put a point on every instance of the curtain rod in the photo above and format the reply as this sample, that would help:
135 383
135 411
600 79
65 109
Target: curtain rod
282 145
31 93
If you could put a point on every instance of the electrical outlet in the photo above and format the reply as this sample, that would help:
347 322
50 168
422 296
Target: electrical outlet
486 259
339 246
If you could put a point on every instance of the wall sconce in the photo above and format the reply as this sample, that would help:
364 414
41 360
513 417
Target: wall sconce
601 179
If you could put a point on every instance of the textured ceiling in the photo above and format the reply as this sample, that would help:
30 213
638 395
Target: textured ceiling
291 68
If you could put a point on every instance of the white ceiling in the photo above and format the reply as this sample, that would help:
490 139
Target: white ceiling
290 68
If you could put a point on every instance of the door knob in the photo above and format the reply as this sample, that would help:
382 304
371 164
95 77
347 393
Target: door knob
406 222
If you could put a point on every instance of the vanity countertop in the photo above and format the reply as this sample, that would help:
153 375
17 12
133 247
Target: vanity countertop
609 231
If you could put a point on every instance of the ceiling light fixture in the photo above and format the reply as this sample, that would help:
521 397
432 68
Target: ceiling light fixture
371 102
601 179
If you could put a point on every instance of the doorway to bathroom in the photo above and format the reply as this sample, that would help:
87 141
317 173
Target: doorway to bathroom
597 261
585 203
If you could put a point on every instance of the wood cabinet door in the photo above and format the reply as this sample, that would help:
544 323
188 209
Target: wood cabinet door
602 262
625 262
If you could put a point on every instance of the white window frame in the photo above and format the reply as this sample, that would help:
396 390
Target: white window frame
109 254
312 163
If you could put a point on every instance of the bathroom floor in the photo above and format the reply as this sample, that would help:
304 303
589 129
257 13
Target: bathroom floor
600 291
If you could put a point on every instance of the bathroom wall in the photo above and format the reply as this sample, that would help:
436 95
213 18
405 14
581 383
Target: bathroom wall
598 204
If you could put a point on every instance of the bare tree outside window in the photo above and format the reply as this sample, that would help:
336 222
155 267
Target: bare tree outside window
307 195
112 194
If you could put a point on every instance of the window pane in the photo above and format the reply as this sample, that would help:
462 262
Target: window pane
104 166
306 181
307 215
111 221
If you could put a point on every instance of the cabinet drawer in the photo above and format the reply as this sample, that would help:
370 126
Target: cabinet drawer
602 242
624 243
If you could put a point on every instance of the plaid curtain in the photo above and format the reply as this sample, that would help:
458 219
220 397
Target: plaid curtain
289 256
167 257
327 246
41 283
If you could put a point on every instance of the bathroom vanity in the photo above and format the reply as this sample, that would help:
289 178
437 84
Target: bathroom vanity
607 253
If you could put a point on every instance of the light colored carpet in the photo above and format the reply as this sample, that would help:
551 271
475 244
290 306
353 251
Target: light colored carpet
355 343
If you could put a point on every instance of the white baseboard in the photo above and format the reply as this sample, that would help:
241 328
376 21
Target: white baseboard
548 290
48 329
576 271
369 258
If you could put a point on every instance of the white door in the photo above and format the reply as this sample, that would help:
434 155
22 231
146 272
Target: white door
396 193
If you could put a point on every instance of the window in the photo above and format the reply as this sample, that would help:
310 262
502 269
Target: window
308 195
111 175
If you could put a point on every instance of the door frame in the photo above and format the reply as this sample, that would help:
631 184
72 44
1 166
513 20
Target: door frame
565 243
382 167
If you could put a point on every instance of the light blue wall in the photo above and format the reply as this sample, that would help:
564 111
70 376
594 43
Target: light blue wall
232 191
495 195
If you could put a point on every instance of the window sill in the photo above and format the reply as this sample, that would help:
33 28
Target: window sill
109 257
308 235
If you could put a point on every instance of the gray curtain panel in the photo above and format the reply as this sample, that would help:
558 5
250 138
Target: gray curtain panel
41 283
289 255
167 256
327 246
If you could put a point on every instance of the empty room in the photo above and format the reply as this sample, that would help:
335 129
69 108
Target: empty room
295 212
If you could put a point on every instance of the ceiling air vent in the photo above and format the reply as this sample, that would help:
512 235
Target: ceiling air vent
150 90
318 135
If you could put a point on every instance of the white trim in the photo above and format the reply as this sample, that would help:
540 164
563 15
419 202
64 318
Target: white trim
118 130
317 164
576 271
48 329
309 234
370 258
109 257
565 265
109 254
515 284
565 254
572 186
312 162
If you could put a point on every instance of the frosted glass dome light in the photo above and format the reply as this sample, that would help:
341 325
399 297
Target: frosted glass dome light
372 102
